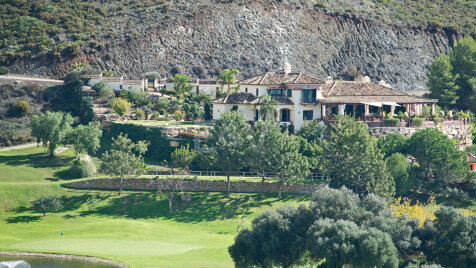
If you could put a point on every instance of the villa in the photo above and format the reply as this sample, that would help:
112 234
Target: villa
302 98
116 83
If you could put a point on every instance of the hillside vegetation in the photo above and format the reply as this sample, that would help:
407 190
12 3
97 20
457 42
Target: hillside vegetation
61 29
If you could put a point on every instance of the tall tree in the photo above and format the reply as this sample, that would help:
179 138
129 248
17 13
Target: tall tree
124 159
51 128
463 60
230 141
265 149
291 166
437 156
267 107
401 171
442 82
181 85
228 77
354 160
86 139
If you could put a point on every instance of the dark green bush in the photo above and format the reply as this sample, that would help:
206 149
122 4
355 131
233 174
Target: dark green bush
3 70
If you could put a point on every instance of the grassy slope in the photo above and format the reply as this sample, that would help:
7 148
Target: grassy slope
135 228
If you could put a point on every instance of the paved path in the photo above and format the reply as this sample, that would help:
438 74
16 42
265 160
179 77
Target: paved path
21 146
12 77
58 151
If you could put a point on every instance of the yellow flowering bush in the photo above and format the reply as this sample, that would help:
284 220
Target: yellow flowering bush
402 206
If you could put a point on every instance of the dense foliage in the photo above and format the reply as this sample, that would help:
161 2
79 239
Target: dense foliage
337 229
452 78
352 159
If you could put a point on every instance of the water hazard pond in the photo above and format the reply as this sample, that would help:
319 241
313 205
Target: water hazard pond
43 262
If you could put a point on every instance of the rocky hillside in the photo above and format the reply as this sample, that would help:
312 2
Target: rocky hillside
253 36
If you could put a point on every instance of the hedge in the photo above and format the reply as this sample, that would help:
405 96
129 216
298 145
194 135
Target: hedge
391 122
438 120
159 148
417 122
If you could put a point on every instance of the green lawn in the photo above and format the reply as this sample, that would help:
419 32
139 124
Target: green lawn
135 228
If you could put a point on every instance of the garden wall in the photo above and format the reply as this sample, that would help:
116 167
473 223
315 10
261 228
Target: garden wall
460 132
193 186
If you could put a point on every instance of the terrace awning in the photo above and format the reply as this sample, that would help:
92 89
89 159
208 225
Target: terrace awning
390 103
377 104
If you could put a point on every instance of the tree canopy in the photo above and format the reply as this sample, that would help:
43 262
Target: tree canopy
353 159
86 139
51 129
230 140
124 159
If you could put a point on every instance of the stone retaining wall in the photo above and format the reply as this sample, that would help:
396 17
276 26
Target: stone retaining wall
460 132
193 186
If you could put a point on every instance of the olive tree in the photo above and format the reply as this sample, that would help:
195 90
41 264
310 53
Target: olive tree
51 129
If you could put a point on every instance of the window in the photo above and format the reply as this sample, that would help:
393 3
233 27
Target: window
275 92
289 93
285 115
309 95
246 89
257 93
307 115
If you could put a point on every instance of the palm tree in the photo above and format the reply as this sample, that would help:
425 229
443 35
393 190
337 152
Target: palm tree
267 106
228 77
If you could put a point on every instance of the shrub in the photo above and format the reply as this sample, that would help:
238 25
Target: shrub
155 115
120 106
438 120
22 108
83 167
140 114
161 111
179 115
417 122
3 70
391 122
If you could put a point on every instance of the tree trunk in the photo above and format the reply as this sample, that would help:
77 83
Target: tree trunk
120 187
228 183
52 150
262 185
279 194
44 213
171 197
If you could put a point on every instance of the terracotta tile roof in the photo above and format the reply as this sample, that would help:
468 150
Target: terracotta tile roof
360 99
471 158
358 92
112 79
280 77
90 76
238 98
248 98
283 100
132 82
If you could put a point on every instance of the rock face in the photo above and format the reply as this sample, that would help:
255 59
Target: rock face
260 36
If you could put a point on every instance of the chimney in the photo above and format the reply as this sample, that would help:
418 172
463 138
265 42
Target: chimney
383 83
329 80
365 79
287 68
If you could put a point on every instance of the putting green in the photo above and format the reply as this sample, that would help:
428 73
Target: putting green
108 246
